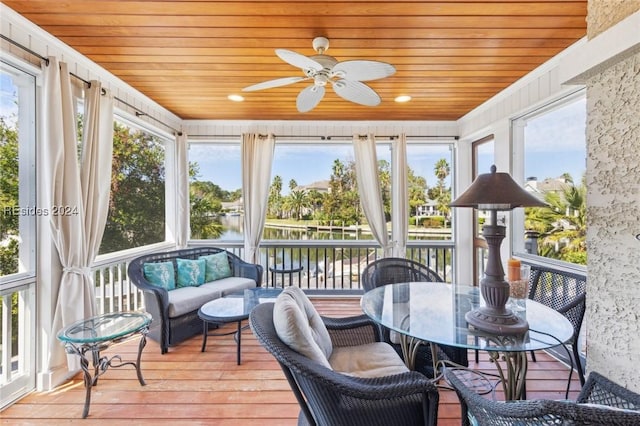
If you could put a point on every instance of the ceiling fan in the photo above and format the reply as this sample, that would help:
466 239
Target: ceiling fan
345 77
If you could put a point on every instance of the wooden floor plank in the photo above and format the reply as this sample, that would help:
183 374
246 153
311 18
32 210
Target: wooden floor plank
187 386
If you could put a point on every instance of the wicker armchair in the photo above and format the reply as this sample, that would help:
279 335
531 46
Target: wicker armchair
601 402
329 398
164 329
391 270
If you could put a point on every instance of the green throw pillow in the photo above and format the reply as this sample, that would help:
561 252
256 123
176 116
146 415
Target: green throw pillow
217 266
160 274
190 272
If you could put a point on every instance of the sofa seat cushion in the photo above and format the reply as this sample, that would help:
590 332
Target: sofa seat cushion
188 299
371 360
230 285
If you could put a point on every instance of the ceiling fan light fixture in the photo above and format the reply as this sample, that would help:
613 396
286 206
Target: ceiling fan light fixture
346 77
235 98
402 98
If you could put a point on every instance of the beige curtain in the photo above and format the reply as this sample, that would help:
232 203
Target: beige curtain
364 148
78 197
95 170
182 189
75 299
257 156
399 197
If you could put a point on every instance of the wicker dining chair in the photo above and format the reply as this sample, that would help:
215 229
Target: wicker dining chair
564 292
330 398
391 270
600 402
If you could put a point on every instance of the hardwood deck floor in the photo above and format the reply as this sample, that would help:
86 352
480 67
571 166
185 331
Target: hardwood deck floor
187 386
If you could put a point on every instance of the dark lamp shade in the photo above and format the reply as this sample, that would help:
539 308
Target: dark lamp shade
496 191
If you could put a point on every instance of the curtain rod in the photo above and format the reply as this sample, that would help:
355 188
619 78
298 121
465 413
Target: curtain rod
329 138
138 112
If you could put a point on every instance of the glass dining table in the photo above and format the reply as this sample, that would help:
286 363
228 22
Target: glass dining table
435 313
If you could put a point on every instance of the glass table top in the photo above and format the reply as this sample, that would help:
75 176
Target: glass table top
238 305
435 312
104 328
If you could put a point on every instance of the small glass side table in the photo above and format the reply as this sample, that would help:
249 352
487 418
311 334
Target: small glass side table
95 334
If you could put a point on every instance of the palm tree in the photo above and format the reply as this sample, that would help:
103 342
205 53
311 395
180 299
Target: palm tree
562 225
275 199
296 202
442 170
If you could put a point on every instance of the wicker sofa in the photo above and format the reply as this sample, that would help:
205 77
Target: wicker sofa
175 312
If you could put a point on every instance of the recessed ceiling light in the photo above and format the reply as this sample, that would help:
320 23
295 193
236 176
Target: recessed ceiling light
235 98
403 98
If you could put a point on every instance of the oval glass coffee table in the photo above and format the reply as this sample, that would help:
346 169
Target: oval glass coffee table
234 307
97 333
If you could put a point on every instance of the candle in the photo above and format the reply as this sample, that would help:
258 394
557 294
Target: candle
513 270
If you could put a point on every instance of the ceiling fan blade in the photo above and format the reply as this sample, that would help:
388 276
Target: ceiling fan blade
357 92
298 60
363 70
273 83
309 98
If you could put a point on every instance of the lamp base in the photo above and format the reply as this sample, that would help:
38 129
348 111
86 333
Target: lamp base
504 323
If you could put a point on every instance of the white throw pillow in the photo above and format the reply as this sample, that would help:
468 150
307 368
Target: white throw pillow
300 327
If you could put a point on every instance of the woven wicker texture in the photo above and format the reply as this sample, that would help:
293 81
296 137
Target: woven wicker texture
171 331
329 398
597 390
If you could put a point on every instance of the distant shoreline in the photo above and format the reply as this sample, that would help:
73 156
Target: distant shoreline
353 228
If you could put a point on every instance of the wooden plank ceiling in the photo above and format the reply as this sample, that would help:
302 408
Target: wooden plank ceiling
188 56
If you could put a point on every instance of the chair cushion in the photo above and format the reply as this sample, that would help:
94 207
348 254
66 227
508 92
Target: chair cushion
160 274
300 327
190 272
217 266
376 359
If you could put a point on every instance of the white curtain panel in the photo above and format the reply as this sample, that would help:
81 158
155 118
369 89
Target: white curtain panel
399 197
257 157
95 171
369 188
74 299
182 189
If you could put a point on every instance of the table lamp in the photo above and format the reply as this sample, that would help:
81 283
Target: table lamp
495 191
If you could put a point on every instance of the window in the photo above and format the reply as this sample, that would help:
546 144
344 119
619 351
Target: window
18 214
430 167
483 152
315 184
137 215
215 191
554 146
17 171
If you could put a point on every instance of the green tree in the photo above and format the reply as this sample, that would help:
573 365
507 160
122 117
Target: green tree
417 189
8 198
274 208
384 174
137 204
316 200
561 225
204 206
296 202
342 203
443 194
